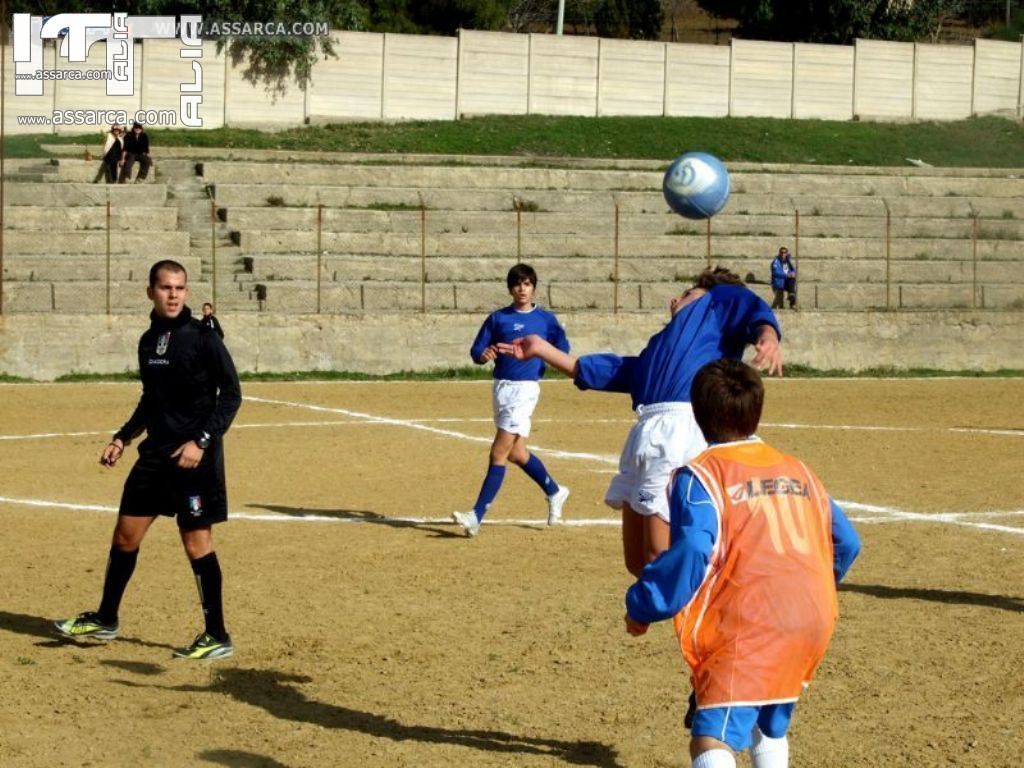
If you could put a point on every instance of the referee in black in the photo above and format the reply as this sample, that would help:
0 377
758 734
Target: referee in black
190 394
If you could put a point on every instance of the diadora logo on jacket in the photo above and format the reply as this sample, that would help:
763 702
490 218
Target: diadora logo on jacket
518 326
772 486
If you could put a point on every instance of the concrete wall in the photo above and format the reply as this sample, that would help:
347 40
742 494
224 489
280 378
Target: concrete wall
943 82
494 73
762 79
46 346
390 76
357 72
823 81
883 76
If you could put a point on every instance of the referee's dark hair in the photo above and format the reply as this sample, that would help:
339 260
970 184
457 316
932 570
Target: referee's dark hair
519 273
727 398
170 265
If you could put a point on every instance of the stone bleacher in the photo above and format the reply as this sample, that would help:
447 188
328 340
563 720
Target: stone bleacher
373 232
956 235
56 239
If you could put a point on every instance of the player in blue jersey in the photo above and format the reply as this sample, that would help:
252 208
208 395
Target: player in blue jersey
515 394
717 317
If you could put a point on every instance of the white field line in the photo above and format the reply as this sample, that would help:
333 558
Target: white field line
882 515
431 430
878 514
366 419
868 428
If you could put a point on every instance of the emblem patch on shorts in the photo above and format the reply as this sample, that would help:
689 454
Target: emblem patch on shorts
645 497
162 342
195 505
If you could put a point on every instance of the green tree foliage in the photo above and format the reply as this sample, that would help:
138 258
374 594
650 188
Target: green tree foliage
634 19
836 21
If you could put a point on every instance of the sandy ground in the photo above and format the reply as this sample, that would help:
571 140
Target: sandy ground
367 640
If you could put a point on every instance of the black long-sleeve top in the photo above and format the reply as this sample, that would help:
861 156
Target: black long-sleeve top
189 385
136 145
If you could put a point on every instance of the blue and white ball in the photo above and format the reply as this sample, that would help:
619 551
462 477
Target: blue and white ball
696 185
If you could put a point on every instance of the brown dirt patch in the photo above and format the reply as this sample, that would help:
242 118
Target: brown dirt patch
377 644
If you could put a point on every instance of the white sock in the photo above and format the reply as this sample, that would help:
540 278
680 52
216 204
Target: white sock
715 758
767 752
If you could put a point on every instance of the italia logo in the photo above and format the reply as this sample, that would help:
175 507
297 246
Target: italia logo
195 505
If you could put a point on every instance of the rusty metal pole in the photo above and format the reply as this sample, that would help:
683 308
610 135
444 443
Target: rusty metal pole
888 258
519 233
319 252
3 117
796 256
213 250
974 265
108 258
709 241
616 276
423 257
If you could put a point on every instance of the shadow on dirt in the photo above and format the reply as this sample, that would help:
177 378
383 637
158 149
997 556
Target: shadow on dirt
270 690
37 626
948 596
360 516
367 516
236 758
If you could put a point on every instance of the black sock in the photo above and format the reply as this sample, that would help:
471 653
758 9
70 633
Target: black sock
208 581
120 567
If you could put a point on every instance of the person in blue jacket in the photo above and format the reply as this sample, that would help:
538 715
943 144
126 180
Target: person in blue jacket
515 393
716 317
783 279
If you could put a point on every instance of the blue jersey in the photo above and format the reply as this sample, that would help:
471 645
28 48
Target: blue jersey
719 324
506 325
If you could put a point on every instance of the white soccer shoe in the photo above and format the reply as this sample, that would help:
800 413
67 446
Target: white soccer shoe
468 522
555 503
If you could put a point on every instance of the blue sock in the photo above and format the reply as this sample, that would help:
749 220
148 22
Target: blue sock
490 488
539 474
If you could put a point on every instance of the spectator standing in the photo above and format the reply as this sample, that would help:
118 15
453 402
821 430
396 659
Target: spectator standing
113 146
210 319
784 279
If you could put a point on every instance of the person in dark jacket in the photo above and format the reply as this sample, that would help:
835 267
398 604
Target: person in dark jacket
210 320
190 395
136 149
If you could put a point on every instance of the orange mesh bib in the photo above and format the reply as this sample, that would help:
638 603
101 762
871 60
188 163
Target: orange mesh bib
757 628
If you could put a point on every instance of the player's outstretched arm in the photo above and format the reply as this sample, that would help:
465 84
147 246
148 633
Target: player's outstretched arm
533 346
769 352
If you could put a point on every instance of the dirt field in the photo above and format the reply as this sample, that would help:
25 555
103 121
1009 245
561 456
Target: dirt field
367 638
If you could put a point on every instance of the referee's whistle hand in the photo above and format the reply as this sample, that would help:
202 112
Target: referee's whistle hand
111 454
188 455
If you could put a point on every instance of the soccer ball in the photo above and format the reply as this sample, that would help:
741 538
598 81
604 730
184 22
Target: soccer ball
696 185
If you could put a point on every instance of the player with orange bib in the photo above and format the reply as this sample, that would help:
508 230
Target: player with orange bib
757 548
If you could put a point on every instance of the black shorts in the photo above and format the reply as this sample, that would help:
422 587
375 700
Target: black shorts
197 497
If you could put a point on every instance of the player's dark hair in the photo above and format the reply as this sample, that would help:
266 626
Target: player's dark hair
170 265
709 278
519 273
727 398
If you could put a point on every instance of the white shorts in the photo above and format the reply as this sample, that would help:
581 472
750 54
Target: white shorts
514 402
664 438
